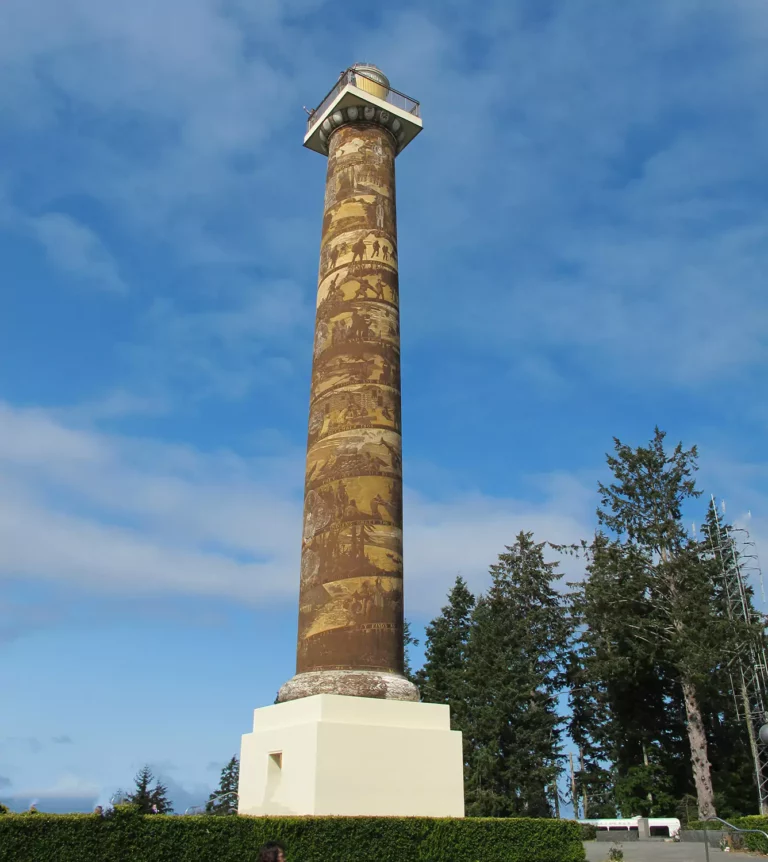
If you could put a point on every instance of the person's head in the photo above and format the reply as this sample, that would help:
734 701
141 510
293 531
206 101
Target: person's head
272 852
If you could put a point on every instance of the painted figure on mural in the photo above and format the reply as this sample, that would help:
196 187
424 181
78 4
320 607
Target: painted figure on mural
360 325
358 250
335 292
376 288
395 455
340 329
387 374
377 504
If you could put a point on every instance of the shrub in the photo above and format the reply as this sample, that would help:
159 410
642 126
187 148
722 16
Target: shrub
588 831
127 835
754 842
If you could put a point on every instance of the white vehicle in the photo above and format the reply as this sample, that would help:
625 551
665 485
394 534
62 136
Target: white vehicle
661 827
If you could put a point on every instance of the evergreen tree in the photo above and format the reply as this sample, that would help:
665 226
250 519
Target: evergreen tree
626 708
643 509
442 678
739 633
227 804
408 641
141 796
161 804
149 800
514 671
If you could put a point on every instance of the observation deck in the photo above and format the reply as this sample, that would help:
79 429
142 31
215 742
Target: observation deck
365 88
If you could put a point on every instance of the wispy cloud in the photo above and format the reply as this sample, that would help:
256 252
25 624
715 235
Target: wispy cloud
73 249
136 516
603 198
579 188
76 250
231 344
118 403
186 101
29 743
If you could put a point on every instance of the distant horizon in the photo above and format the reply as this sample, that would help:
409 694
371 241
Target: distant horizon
62 805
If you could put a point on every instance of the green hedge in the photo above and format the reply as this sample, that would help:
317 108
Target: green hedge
750 841
130 837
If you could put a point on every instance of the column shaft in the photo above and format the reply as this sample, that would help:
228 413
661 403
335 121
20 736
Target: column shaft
351 595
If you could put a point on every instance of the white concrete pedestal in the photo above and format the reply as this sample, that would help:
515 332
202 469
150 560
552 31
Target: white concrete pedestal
330 754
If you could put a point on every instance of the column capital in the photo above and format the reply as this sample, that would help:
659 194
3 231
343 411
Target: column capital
362 114
363 95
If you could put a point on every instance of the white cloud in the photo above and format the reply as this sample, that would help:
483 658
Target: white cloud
602 197
599 188
70 246
116 404
137 516
77 250
182 83
236 343
128 515
464 537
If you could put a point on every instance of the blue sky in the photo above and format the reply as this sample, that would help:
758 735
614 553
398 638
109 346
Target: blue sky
583 248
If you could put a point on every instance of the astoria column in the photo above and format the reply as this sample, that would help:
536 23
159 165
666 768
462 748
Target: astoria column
350 639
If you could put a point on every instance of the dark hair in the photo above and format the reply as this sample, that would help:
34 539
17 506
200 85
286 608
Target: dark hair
270 852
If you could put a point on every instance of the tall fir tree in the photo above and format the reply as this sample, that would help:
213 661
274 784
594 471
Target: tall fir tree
223 800
514 672
643 509
408 641
441 679
149 800
626 708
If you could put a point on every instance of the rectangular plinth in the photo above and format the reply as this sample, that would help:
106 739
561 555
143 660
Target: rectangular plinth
334 755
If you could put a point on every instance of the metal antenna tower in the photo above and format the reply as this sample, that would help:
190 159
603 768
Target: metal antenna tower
748 667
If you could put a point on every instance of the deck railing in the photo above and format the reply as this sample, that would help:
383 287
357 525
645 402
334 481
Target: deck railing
736 829
351 76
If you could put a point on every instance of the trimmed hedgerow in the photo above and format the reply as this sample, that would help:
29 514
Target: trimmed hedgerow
131 837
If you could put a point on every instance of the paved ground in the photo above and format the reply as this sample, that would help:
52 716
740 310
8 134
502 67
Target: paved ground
652 851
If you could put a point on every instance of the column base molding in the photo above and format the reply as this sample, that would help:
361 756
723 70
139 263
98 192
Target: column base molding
351 683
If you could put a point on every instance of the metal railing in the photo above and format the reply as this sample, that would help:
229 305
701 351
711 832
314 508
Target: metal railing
350 76
212 799
733 828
